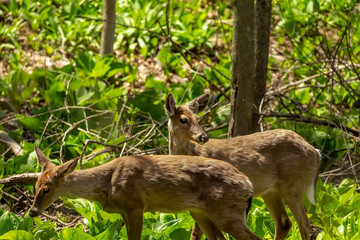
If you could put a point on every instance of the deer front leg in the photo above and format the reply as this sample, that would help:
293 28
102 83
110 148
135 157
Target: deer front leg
133 219
196 233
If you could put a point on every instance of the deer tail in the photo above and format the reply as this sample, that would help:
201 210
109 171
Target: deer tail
312 187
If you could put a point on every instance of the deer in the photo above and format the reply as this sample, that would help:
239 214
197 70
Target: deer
281 164
216 194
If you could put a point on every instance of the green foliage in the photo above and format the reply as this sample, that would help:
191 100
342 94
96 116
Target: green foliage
104 102
336 213
17 235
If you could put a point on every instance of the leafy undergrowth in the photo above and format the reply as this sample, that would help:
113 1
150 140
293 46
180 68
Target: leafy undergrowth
56 93
336 213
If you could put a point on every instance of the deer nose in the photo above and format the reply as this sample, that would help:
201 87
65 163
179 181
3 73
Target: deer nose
203 138
33 213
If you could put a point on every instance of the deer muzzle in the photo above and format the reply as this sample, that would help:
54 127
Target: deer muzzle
34 212
203 138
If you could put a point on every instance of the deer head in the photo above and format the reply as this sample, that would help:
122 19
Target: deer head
46 185
183 119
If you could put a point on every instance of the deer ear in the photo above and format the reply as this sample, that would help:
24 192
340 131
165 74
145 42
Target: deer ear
43 160
170 105
199 104
66 168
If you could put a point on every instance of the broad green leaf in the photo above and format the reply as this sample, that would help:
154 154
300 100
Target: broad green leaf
116 92
348 194
32 160
57 93
44 230
329 201
100 68
356 236
86 208
31 123
17 235
108 233
9 221
85 61
74 234
180 234
112 217
27 92
83 98
7 46
153 83
26 224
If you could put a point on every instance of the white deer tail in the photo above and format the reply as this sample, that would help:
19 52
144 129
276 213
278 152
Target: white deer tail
311 191
312 187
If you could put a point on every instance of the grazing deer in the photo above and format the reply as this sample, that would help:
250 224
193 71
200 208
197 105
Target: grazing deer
216 193
281 165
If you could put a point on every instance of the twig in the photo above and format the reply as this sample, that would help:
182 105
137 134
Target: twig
54 218
9 196
108 148
123 149
95 154
305 119
66 94
46 126
75 125
217 127
146 136
222 27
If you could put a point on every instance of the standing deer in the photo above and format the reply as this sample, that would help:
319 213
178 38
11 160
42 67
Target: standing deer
281 165
216 193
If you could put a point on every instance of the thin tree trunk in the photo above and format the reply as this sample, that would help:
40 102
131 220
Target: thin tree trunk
243 69
262 36
108 30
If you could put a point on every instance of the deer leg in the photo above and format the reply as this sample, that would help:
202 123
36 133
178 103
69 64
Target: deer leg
233 222
275 205
211 231
196 233
297 209
133 219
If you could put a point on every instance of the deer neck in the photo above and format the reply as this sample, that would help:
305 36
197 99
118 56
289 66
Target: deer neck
89 184
180 146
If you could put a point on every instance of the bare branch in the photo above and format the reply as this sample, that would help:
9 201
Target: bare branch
306 119
24 178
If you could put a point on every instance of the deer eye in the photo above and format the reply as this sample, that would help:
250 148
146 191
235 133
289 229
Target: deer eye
46 190
182 120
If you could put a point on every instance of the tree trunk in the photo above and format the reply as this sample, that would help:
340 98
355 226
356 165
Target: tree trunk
262 37
108 30
243 69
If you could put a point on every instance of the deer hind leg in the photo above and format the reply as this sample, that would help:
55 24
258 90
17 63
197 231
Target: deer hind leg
133 219
233 222
275 205
297 208
196 233
211 231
